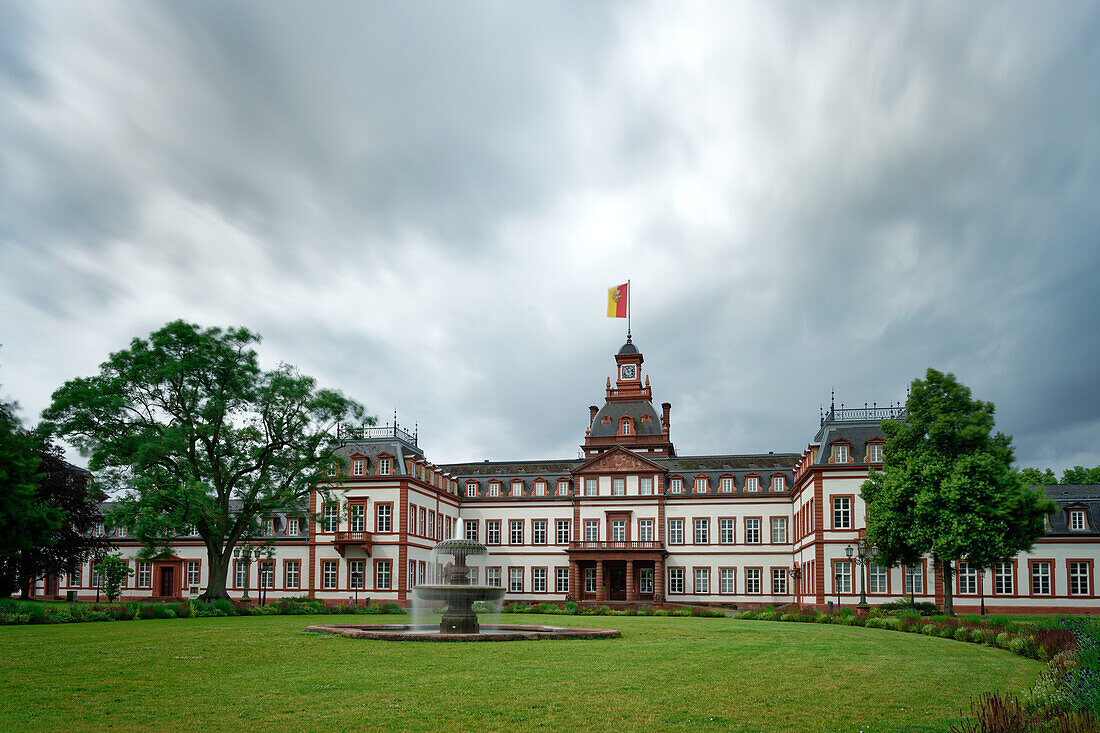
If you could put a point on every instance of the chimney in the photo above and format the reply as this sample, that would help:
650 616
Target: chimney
592 410
666 407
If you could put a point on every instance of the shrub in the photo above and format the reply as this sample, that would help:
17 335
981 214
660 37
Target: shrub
224 605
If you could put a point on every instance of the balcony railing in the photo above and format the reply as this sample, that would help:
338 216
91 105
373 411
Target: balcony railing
620 545
894 412
343 432
363 539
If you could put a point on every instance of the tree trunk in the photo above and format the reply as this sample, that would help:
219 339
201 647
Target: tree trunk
219 567
948 601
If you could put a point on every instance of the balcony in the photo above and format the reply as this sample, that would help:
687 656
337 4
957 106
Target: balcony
620 545
343 539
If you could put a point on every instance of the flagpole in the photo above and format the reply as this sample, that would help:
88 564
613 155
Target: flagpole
629 298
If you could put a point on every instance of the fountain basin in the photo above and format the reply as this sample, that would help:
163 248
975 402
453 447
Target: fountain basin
431 632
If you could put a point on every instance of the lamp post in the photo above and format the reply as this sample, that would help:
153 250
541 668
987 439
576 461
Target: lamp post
836 585
796 576
862 558
981 588
245 553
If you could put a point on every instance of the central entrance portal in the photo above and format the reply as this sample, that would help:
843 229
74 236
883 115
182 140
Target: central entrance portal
167 587
616 584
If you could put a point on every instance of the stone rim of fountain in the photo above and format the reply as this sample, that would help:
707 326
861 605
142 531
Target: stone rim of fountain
502 632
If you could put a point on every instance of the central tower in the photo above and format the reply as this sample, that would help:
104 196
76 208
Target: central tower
627 417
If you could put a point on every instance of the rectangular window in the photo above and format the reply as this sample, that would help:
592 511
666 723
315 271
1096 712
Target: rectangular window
727 484
95 575
382 574
470 529
538 580
384 470
331 516
433 525
356 571
645 581
293 527
590 487
1077 519
563 488
383 518
702 531
412 519
842 512
240 575
675 486
840 454
540 488
752 483
843 579
877 577
752 530
590 580
494 489
98 530
676 531
726 530
515 580
779 530
700 485
538 531
645 485
779 581
968 578
562 580
492 531
492 577
192 572
471 491
874 453
328 574
727 580
618 530
777 483
144 574
356 513
423 522
645 530
591 530
702 580
515 531
266 569
421 572
675 580
563 531
914 579
618 487
752 580
1002 578
517 488
1079 578
293 573
357 467
1040 578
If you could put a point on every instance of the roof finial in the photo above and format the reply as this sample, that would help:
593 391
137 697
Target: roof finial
832 400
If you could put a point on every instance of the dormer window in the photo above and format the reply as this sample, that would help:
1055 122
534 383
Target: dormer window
357 467
840 453
675 486
1077 519
777 483
471 490
517 488
874 452
563 487
727 484
540 488
700 484
752 483
494 488
384 466
626 426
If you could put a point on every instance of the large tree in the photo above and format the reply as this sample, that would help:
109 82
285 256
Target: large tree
189 429
947 486
1075 475
48 508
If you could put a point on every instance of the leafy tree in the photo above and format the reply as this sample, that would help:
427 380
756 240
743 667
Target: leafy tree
112 574
947 486
47 508
1080 475
193 432
1035 477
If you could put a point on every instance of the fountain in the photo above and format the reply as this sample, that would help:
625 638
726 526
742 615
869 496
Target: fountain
459 618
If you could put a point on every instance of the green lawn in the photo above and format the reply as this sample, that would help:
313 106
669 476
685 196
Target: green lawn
265 673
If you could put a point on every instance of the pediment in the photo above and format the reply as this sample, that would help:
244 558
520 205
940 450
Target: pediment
618 460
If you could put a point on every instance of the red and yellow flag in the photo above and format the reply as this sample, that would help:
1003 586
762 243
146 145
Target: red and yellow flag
617 300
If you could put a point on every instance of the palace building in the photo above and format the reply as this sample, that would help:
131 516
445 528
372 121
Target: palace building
632 521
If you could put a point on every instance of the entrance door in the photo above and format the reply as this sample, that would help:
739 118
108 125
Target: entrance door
616 584
51 585
167 586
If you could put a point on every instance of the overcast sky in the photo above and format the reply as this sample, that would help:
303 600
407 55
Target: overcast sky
423 205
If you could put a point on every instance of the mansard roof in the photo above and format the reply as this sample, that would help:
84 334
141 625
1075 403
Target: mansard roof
615 411
506 469
856 433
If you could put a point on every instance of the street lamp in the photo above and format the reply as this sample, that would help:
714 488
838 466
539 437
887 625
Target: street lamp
245 553
861 558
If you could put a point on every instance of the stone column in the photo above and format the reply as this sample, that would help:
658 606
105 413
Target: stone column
574 581
659 579
630 596
599 581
